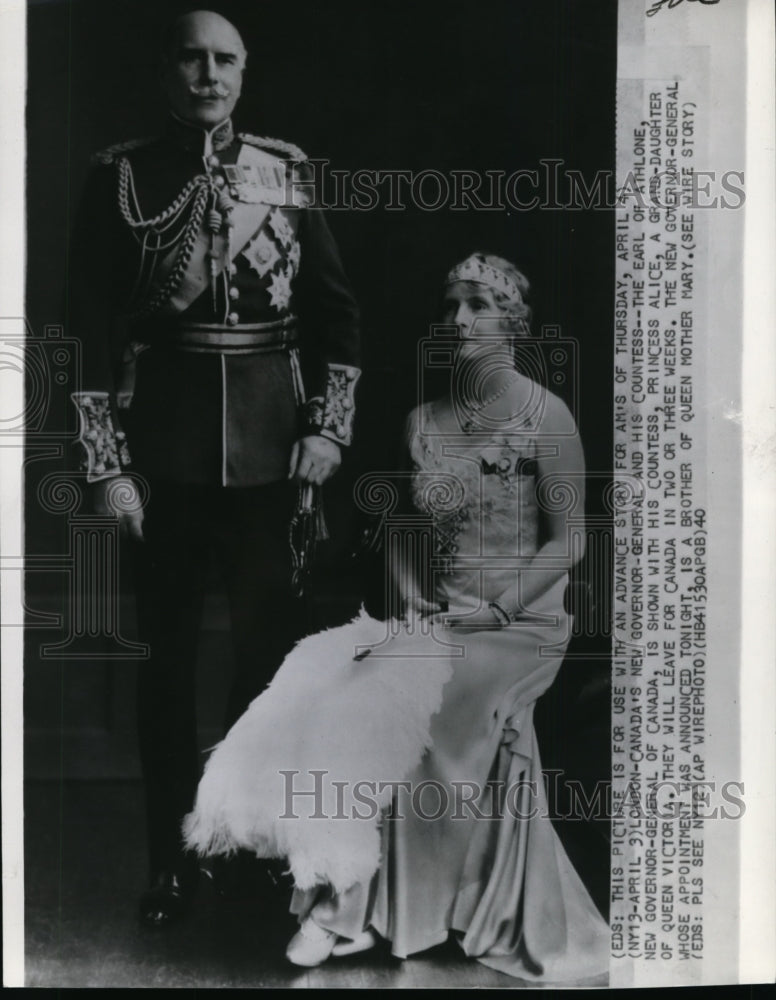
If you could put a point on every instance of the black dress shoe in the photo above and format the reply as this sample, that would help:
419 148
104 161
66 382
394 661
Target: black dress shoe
168 899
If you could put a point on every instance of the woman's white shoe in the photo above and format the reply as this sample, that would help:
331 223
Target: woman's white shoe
311 945
345 946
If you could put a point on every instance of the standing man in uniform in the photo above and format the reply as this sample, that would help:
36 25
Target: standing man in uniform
220 343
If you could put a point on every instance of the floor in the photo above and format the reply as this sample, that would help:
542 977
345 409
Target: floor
84 866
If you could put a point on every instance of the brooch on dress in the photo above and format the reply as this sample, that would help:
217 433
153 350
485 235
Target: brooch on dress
509 470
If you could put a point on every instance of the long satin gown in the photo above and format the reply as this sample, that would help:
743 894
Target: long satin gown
425 705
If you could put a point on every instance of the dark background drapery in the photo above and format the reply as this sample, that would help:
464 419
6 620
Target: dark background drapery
410 85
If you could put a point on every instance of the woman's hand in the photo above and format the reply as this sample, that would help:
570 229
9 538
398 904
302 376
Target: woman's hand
478 621
418 607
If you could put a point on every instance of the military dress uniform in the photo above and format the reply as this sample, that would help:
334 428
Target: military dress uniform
218 327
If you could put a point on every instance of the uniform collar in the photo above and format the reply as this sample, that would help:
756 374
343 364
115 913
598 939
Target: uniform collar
196 139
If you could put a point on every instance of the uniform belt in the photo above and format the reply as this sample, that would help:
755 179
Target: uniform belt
243 338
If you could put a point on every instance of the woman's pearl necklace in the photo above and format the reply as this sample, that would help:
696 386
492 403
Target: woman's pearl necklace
472 410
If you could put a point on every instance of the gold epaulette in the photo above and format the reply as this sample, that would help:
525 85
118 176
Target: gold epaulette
275 145
112 153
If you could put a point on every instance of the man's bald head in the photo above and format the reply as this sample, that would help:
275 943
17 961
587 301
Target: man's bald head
204 63
195 19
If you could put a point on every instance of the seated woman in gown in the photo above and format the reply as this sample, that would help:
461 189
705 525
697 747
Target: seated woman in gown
395 765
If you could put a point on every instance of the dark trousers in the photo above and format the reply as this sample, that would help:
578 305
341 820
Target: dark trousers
186 527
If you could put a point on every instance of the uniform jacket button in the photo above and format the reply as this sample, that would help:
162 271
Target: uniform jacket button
233 319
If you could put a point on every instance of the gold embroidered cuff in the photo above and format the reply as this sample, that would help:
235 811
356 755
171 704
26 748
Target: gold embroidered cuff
339 406
105 449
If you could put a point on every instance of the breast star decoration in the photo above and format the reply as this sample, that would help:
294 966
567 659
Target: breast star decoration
261 253
280 290
281 228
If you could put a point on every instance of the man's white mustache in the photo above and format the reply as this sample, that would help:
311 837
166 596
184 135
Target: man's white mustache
209 92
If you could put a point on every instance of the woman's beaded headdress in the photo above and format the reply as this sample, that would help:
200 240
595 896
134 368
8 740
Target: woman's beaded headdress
476 270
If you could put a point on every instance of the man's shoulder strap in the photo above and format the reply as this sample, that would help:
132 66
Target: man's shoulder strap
287 149
113 153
